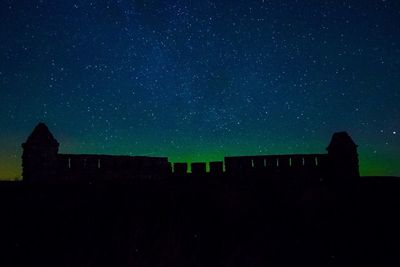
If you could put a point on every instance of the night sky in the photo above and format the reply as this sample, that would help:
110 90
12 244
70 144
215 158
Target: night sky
198 80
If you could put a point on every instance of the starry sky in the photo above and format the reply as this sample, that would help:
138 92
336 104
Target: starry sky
198 80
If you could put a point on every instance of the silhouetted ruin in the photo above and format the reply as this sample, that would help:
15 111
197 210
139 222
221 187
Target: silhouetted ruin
42 162
264 210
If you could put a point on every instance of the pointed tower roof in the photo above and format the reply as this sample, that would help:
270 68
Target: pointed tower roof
341 140
41 135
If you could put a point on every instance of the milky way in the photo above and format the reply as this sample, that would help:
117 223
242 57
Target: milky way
198 80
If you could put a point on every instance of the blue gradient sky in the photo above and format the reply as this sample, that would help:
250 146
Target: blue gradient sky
197 80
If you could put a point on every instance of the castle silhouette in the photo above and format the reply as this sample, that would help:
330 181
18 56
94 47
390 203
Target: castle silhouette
42 162
262 210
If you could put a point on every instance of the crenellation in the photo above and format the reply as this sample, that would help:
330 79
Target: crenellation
41 162
198 168
216 167
180 168
296 161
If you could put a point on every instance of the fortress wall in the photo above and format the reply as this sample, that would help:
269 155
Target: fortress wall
284 162
305 164
41 161
237 165
309 161
322 160
296 161
180 168
258 162
271 162
63 163
110 167
151 166
125 167
216 167
199 168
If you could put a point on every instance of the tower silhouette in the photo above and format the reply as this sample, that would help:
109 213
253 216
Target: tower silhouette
342 156
39 157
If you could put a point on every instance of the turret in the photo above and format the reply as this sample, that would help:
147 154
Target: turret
39 157
342 156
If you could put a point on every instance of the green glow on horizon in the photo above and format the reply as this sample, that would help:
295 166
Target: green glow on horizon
371 164
197 82
10 167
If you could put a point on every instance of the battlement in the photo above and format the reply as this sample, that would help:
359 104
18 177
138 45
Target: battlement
86 166
277 165
42 162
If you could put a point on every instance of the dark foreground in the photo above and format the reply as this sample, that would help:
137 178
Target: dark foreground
201 223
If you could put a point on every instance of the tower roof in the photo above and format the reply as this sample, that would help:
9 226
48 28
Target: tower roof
41 135
341 140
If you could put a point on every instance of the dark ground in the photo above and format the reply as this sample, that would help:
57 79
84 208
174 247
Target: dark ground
201 223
